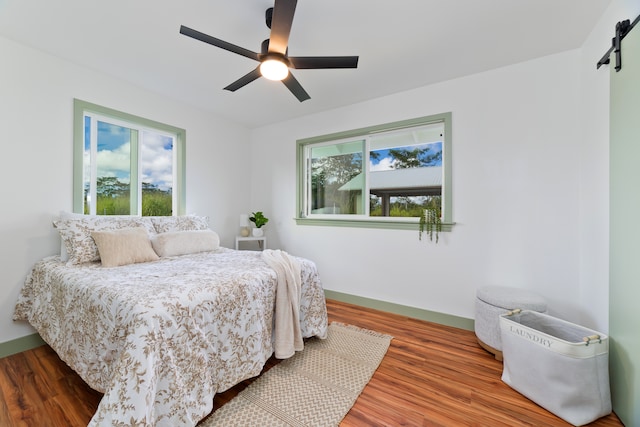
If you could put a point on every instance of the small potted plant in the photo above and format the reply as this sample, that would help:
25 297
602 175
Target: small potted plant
258 219
430 223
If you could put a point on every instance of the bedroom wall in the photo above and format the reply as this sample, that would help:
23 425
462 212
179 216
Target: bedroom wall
36 104
516 186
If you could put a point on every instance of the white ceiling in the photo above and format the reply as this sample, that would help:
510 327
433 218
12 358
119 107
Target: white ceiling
402 44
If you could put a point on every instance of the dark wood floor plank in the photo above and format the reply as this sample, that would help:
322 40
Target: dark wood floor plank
432 375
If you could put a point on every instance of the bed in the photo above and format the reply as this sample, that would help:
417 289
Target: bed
160 337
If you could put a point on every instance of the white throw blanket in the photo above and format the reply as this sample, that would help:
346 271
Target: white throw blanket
288 336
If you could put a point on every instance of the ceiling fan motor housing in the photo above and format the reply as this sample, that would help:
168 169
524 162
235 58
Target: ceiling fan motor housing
264 54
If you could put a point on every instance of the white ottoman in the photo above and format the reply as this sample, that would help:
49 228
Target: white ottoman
491 302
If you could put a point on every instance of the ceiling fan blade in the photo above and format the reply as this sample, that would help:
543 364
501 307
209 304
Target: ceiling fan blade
311 62
283 11
296 88
218 43
244 80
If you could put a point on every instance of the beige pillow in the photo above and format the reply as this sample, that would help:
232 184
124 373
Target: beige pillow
124 246
175 243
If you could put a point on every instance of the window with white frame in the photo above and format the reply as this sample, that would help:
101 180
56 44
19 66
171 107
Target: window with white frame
381 176
126 165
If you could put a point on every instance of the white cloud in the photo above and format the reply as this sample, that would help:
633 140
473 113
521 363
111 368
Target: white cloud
385 164
115 162
156 161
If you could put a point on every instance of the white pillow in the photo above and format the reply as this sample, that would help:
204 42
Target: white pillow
175 243
125 246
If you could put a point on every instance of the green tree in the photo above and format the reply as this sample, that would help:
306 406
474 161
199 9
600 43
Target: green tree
418 157
113 198
110 186
330 173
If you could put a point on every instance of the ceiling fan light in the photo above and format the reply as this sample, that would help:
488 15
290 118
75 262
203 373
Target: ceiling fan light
274 69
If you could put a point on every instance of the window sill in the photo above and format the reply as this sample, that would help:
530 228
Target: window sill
368 223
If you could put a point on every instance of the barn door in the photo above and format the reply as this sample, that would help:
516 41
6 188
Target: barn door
624 280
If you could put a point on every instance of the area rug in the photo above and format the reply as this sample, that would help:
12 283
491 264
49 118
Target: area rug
316 387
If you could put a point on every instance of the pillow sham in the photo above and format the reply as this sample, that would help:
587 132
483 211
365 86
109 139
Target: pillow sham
175 243
164 224
64 255
76 233
125 246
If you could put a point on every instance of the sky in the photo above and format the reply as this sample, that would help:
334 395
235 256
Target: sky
386 162
114 147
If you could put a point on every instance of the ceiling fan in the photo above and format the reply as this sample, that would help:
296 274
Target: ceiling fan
273 57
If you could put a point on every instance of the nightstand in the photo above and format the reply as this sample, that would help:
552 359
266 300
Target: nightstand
261 241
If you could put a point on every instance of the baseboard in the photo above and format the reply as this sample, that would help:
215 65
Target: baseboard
416 313
20 344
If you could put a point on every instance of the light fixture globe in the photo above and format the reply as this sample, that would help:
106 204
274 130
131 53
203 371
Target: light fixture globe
274 69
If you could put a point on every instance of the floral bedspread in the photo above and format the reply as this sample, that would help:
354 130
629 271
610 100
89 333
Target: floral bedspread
159 339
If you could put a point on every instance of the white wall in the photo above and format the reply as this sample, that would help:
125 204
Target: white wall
516 181
36 106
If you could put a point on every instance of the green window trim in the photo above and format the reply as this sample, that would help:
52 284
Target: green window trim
377 222
79 109
368 223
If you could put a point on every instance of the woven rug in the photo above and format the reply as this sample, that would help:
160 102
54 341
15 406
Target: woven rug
314 388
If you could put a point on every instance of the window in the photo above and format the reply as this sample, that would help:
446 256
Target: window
126 165
381 176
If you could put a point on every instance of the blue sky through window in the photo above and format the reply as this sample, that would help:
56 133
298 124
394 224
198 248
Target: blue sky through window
383 159
114 154
156 160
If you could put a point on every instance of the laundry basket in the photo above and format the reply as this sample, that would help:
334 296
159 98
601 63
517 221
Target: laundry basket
561 366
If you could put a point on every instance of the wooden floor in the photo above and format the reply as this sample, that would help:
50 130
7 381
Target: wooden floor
432 375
